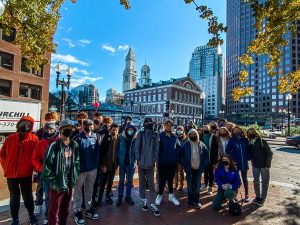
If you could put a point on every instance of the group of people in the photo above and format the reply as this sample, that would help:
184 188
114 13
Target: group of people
81 162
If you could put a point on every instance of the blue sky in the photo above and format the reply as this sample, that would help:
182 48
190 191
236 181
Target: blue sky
93 38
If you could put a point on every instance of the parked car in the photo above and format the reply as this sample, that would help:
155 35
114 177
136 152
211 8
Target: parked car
294 141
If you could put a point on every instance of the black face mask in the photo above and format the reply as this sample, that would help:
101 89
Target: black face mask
67 132
193 138
87 129
79 122
213 127
97 122
206 131
251 136
149 126
49 135
24 129
225 163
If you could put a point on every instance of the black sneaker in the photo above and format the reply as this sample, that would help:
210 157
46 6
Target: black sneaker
190 204
144 206
256 201
15 222
33 220
261 202
109 200
79 218
119 201
155 210
92 215
129 200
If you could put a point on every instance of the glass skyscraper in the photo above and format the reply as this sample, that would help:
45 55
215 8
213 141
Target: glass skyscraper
206 69
265 99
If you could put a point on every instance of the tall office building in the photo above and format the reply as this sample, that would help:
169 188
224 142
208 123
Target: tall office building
87 94
112 96
206 69
265 99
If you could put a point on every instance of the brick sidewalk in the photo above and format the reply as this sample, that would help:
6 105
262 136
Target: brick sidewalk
281 207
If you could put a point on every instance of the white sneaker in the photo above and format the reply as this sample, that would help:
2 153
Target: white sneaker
173 199
158 199
203 188
45 222
209 191
198 205
37 210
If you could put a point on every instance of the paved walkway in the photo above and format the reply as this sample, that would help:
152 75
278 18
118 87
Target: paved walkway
281 207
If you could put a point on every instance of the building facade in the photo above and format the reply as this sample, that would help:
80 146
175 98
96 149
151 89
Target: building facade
183 95
87 94
112 96
17 82
265 100
206 68
129 74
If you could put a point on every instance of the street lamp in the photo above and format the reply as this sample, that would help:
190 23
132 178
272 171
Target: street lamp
2 7
63 84
222 112
289 98
283 112
202 97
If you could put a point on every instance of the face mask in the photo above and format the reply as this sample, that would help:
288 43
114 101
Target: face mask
237 134
49 134
79 122
206 132
225 163
193 138
179 132
113 134
161 130
24 129
223 135
149 126
221 124
87 129
67 132
130 132
213 127
251 136
96 122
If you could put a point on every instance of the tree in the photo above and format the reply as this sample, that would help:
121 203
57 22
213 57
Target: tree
36 22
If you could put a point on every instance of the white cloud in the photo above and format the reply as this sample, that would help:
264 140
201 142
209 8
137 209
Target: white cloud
69 42
123 47
79 80
109 48
84 42
68 59
69 30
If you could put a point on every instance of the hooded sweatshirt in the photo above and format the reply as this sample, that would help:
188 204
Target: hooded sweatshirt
195 155
16 153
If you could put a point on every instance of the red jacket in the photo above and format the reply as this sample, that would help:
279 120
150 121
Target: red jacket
39 152
15 155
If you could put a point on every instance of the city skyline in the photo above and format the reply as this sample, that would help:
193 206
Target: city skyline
97 52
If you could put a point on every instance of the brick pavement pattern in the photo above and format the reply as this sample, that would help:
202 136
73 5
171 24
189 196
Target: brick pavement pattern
281 207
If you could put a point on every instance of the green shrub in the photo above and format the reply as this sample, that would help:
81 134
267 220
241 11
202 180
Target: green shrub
256 126
293 130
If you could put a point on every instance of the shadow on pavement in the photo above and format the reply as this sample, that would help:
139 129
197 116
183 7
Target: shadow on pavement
289 150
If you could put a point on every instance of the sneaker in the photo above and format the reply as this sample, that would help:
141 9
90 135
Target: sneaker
15 222
79 218
173 199
246 199
144 206
37 210
129 200
256 201
190 204
158 199
155 210
109 200
198 205
203 188
45 222
209 191
33 220
92 215
119 201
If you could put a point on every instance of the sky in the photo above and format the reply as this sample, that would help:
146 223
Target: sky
94 36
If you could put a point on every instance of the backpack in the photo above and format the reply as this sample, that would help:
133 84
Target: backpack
235 209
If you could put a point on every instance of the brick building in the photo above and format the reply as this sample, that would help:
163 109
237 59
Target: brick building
17 82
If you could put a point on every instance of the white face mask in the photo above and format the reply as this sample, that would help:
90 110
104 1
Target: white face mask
130 132
161 130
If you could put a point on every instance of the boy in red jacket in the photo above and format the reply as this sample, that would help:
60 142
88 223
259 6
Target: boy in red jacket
15 159
49 136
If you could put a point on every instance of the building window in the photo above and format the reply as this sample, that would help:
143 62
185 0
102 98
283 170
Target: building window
184 98
159 97
180 97
10 37
149 98
176 95
6 60
165 96
144 98
36 72
153 98
153 109
5 87
30 91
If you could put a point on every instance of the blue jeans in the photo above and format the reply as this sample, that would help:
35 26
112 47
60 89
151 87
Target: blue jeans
128 171
46 191
193 186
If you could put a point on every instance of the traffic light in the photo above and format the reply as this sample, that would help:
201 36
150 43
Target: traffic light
167 106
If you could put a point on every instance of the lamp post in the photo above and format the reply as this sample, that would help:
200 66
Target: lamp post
202 98
282 112
288 98
222 112
63 83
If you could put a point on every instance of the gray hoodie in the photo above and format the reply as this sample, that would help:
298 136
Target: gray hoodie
147 148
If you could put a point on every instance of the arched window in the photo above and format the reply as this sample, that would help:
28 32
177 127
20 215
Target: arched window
176 95
180 97
184 97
